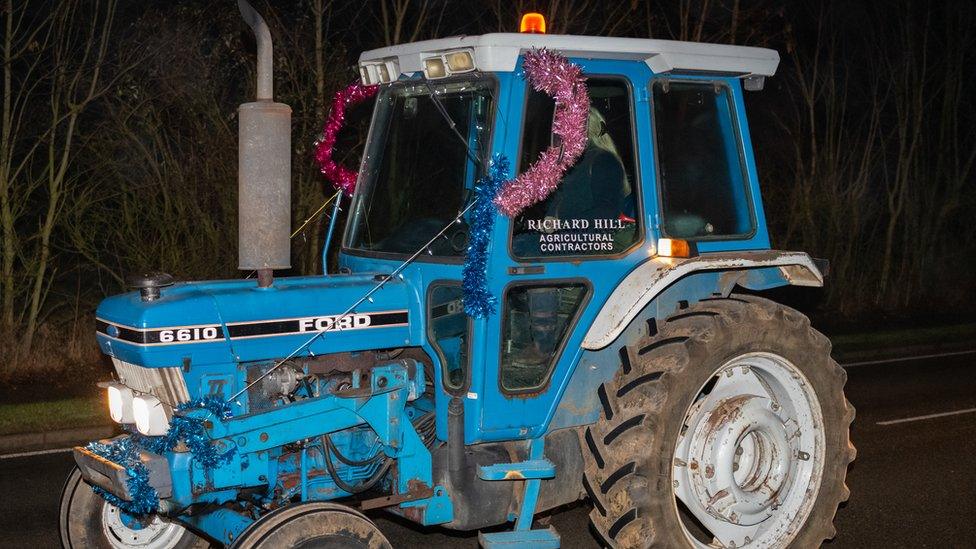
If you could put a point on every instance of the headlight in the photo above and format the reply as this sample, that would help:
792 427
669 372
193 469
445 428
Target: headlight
150 416
120 403
434 68
448 63
459 61
379 72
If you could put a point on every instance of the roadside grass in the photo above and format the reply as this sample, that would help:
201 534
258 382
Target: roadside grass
886 339
36 417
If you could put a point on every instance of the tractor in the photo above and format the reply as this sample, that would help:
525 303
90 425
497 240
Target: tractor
627 359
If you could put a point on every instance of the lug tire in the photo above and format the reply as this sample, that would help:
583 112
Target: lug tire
313 524
629 452
81 522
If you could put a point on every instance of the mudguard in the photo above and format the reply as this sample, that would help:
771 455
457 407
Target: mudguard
650 278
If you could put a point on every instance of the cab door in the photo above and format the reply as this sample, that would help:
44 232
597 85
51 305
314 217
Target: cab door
554 265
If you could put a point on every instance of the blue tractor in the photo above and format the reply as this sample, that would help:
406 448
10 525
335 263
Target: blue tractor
630 362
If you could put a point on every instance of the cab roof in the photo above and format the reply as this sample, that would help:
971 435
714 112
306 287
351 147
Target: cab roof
500 51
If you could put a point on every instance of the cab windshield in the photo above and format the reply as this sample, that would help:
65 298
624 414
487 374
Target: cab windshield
428 146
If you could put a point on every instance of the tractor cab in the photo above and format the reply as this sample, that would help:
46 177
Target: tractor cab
547 293
668 156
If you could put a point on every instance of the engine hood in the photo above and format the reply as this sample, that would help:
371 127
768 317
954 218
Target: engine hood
235 321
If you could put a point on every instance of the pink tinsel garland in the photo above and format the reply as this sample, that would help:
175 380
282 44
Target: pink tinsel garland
342 177
563 80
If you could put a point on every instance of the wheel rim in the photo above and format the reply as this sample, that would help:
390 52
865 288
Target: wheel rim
749 458
155 534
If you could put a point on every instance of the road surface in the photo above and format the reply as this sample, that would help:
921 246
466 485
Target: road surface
913 484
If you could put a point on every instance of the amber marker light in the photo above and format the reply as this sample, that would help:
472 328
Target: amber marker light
671 247
533 23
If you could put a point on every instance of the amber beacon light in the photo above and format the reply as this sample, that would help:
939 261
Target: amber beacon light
533 23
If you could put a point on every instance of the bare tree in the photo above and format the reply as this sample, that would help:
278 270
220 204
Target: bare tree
58 59
26 39
410 20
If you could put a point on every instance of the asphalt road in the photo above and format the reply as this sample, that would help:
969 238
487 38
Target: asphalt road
913 484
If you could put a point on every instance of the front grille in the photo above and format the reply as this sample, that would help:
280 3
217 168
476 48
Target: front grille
166 384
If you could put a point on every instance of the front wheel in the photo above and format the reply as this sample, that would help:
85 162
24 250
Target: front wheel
88 521
726 426
318 524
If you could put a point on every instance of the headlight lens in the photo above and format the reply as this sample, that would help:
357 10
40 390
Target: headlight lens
380 72
434 68
460 61
150 416
120 403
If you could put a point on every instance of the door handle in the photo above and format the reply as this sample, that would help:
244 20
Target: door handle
527 270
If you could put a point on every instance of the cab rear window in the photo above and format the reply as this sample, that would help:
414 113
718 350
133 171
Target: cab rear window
699 161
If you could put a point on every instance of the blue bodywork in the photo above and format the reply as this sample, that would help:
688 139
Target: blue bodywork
379 412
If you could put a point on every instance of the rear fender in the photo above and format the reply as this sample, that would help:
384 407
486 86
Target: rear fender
655 289
757 270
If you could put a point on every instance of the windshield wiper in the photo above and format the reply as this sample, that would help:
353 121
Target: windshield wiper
450 123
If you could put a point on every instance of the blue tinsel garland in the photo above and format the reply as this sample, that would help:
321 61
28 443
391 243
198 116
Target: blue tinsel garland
124 452
478 301
189 430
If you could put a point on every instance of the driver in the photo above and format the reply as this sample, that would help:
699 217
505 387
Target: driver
597 186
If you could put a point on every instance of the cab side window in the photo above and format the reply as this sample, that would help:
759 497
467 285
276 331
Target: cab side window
448 327
593 211
536 321
699 161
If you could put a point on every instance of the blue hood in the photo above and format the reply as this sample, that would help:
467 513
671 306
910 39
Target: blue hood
235 321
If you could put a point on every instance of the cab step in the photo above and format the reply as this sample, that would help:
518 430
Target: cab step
536 539
523 470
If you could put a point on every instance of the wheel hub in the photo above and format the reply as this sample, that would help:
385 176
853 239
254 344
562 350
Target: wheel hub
151 533
748 461
740 460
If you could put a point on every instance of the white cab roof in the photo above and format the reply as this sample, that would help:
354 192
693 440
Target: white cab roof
500 51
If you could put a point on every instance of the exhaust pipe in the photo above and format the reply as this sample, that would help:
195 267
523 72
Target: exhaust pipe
455 435
264 167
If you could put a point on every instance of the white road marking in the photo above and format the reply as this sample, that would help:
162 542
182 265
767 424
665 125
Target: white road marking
927 416
36 453
906 358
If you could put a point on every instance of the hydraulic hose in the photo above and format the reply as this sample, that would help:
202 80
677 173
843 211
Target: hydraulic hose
343 485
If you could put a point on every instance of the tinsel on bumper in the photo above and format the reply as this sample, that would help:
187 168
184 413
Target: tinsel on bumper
182 428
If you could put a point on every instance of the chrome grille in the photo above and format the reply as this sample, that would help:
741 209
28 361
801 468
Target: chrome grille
166 384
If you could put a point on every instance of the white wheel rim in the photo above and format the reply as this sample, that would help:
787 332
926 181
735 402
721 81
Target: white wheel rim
749 459
157 534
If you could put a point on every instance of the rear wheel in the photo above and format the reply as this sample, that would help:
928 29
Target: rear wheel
86 520
726 426
319 525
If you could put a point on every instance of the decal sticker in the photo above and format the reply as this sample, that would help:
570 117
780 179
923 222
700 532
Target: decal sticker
447 309
576 236
312 324
175 335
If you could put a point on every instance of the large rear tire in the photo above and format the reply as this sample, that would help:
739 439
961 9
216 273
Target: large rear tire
726 425
85 520
319 525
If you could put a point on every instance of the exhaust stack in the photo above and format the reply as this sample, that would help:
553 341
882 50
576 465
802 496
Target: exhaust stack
264 167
